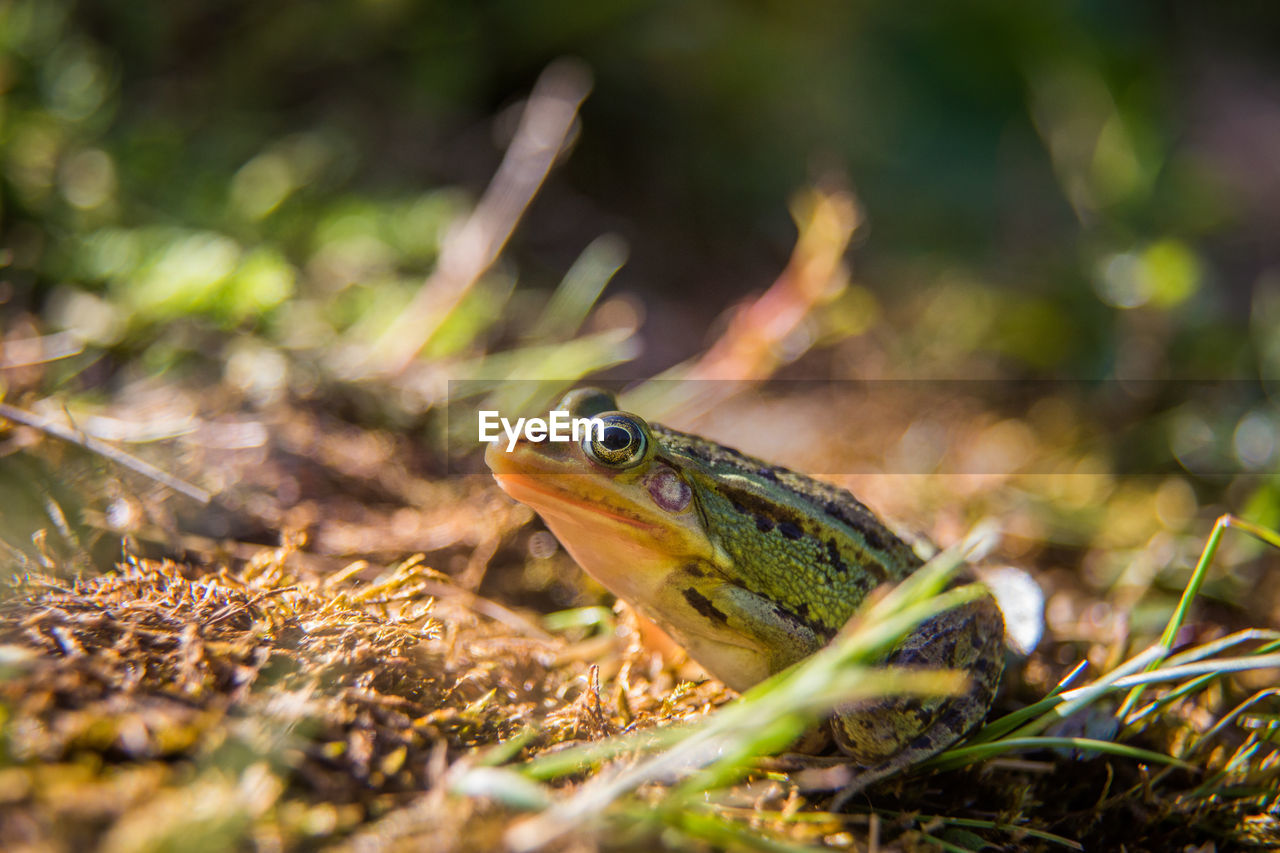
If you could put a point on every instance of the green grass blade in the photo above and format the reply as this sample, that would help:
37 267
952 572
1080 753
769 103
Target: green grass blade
552 765
1009 722
773 712
1192 588
963 755
976 823
1219 666
706 825
1222 644
1075 700
1227 718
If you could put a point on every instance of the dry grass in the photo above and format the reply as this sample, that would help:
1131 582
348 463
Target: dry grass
289 706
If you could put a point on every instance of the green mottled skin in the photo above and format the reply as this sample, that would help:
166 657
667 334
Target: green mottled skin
759 570
804 544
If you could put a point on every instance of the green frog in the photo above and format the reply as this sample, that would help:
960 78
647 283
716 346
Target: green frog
749 566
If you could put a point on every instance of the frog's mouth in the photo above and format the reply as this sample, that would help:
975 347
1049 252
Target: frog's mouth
548 500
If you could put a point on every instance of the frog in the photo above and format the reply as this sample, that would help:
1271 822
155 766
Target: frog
750 567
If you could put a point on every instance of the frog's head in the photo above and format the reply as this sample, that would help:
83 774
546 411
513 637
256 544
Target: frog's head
622 508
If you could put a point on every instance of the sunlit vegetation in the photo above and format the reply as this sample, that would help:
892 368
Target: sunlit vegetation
988 266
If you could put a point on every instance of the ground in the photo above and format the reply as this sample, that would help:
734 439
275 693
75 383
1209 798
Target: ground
167 688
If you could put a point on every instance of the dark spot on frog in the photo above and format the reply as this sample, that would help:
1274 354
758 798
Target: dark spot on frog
703 605
739 508
920 718
768 474
869 528
953 720
874 539
764 525
984 666
801 616
789 530
838 563
692 450
925 741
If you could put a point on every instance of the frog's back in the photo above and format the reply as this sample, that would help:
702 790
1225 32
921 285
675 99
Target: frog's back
810 546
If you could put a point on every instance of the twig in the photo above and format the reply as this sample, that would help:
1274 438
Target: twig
470 249
114 454
756 341
25 352
752 346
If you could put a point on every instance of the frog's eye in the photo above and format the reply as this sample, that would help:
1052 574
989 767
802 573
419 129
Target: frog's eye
621 444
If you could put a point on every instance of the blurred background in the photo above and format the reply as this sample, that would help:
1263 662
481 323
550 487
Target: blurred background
224 232
1106 177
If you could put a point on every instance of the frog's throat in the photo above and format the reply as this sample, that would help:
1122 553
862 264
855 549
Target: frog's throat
635 559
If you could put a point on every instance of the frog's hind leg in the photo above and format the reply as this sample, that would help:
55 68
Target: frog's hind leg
884 736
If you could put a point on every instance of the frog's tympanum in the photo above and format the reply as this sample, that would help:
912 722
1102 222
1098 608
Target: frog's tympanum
749 566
